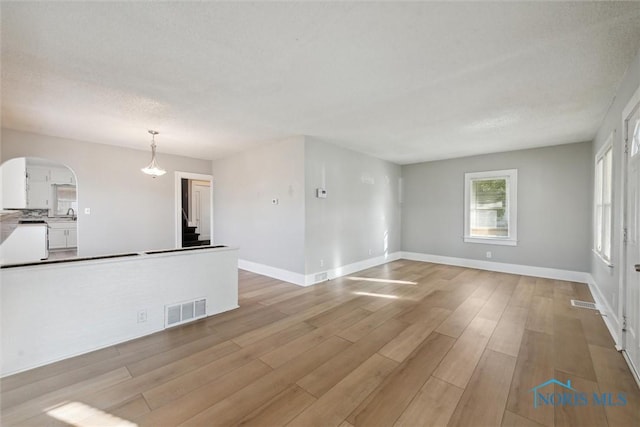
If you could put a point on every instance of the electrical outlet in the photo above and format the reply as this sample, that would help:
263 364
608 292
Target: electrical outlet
275 201
488 254
87 211
321 263
142 316
370 251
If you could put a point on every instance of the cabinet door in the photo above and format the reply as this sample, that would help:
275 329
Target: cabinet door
57 238
38 174
38 194
14 184
72 237
62 176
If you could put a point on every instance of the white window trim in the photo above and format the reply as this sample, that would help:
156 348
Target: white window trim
512 175
608 145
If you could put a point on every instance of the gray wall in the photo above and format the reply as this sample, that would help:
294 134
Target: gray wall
244 186
608 279
361 212
130 211
554 207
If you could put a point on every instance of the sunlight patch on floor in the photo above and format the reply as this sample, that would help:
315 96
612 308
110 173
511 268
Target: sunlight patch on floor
81 415
371 294
370 279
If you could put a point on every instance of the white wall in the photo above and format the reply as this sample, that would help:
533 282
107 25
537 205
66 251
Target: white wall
130 211
607 279
244 186
360 218
554 205
54 311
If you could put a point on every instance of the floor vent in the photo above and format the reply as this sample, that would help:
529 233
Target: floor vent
584 304
184 312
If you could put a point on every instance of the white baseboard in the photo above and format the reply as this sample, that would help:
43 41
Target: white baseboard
276 273
525 270
353 267
320 276
610 317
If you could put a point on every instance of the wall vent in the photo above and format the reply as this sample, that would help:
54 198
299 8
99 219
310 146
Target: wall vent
320 277
183 312
584 304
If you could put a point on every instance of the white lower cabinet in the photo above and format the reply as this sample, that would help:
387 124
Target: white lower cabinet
63 235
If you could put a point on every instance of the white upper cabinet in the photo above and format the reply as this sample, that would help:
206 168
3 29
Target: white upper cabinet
62 176
14 184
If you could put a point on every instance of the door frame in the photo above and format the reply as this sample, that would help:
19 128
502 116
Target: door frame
622 288
178 202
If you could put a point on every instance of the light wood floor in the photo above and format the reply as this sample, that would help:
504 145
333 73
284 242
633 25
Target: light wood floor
404 344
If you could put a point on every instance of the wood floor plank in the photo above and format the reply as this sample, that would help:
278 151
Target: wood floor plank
514 420
394 395
169 372
537 347
541 315
595 330
409 339
611 368
372 321
477 406
275 327
433 405
197 352
458 366
281 409
587 415
33 407
528 374
232 409
495 306
570 348
198 400
507 335
284 353
461 317
524 292
544 288
172 389
131 409
329 374
336 312
334 406
23 379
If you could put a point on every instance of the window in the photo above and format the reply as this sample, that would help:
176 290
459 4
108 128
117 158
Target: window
602 214
491 207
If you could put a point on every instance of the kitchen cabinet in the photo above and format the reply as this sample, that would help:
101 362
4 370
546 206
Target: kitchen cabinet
62 176
14 184
38 187
63 235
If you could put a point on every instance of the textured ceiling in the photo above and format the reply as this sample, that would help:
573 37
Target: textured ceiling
405 82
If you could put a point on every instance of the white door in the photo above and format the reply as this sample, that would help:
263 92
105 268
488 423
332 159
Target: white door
631 301
201 210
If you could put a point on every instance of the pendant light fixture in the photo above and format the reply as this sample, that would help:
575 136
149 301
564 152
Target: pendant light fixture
153 169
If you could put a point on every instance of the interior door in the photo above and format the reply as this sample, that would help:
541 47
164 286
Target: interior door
631 302
201 209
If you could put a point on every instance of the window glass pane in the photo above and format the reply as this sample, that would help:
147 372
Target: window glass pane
635 142
606 246
606 193
489 208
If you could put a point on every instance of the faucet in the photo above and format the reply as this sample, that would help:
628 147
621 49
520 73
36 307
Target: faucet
73 213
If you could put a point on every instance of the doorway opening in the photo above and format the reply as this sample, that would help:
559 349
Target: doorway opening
194 209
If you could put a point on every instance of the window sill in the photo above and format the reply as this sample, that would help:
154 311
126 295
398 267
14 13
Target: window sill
491 241
601 258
